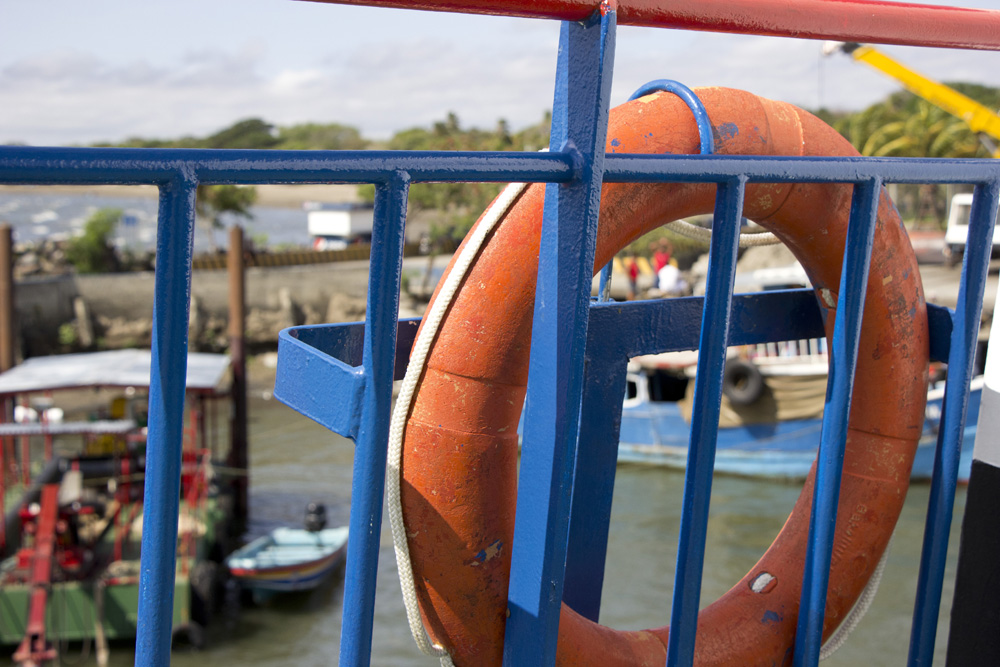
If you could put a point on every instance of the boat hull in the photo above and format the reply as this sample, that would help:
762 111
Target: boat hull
288 560
117 609
656 433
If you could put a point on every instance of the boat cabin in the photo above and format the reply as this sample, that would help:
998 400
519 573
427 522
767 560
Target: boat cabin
72 481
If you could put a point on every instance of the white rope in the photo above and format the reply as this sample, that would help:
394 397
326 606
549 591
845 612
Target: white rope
705 235
858 611
418 359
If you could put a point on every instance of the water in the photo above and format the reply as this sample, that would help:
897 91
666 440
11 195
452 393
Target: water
295 461
35 217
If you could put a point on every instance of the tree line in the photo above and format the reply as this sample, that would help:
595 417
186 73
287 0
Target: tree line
455 205
902 125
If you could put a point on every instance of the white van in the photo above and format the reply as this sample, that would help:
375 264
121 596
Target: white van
958 229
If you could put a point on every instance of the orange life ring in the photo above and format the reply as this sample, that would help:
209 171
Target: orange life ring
460 448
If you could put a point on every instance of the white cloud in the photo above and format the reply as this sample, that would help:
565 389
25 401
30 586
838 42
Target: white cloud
294 82
72 97
381 77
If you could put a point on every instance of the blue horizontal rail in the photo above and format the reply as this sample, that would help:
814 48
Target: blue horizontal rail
623 168
21 165
628 329
96 166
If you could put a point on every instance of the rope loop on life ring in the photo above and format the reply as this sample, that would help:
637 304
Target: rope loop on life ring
454 430
706 146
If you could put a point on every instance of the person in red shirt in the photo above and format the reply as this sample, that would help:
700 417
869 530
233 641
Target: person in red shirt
632 268
661 256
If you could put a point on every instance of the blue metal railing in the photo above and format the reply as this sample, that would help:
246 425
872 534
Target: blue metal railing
342 375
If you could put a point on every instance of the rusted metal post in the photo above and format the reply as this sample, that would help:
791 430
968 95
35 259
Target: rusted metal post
238 450
6 353
6 298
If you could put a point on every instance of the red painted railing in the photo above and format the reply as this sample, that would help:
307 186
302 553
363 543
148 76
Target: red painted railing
842 20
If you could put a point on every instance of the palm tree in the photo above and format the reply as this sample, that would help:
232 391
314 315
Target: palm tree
906 126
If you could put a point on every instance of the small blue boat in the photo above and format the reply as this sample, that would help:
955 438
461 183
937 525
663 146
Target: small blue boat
770 421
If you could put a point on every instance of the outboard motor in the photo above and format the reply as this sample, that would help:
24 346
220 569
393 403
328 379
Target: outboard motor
315 517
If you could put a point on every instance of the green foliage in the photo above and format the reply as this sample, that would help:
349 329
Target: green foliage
249 133
67 334
92 252
829 116
214 202
139 142
333 137
257 133
901 125
458 205
904 125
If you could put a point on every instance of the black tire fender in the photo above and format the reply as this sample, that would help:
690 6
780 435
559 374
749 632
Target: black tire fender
742 382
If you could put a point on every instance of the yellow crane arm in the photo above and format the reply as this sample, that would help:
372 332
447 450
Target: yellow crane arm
979 118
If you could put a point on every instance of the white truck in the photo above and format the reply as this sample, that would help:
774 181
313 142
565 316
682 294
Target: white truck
336 226
957 234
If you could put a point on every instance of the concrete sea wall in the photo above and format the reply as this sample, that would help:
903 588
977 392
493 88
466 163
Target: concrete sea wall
74 312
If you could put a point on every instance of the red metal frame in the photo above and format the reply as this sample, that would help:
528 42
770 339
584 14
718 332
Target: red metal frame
195 495
843 20
35 648
123 530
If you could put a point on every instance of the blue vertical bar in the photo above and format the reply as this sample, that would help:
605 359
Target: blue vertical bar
558 342
368 484
604 282
956 399
168 376
705 421
836 412
594 479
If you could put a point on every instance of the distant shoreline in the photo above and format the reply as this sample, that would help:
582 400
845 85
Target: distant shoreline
276 196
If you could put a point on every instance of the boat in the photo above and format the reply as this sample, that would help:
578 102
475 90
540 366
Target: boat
72 500
290 559
771 414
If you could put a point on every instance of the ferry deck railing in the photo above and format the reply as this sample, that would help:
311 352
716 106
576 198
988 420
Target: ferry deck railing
342 375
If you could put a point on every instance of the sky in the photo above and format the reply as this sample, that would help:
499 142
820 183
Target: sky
106 70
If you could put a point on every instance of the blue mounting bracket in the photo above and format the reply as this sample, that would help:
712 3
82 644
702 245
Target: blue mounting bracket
320 371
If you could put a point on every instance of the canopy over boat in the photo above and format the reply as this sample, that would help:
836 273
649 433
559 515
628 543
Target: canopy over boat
114 368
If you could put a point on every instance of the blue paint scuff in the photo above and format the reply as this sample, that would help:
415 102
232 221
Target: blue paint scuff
725 131
489 552
771 617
